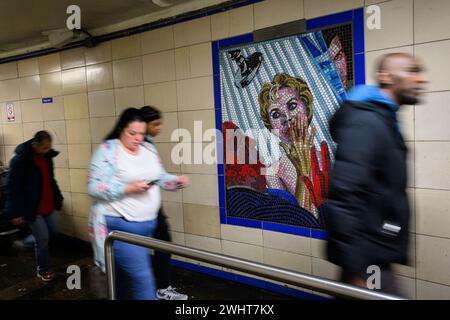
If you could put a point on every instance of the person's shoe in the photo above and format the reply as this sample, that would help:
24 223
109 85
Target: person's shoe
46 276
170 294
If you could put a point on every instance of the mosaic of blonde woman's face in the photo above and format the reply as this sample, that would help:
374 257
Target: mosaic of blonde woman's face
284 110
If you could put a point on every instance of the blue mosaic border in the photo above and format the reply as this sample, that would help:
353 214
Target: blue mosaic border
355 16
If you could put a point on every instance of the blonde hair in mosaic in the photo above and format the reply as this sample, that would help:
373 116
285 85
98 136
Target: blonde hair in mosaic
268 95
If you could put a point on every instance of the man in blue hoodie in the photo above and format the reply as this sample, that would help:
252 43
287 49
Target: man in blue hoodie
367 215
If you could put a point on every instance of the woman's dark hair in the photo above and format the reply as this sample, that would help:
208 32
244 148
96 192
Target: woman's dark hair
127 116
42 136
150 113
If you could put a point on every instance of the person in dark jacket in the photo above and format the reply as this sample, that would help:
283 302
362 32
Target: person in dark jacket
367 216
32 194
161 261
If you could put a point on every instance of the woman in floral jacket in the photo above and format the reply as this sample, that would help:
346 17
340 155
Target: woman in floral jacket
125 175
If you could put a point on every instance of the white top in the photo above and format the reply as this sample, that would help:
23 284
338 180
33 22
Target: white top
130 168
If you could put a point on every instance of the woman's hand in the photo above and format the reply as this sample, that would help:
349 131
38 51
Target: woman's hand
137 187
182 181
18 221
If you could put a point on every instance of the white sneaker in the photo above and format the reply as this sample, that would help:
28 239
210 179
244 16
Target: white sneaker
170 294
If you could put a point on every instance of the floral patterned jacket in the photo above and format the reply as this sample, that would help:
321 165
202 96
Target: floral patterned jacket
103 186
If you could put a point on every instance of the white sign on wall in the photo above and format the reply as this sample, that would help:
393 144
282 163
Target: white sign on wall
10 112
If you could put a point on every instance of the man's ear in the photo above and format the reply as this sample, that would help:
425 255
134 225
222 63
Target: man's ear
384 78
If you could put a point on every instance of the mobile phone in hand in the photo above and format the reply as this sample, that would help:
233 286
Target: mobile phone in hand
152 182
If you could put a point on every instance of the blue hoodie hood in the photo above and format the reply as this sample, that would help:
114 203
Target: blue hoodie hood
368 93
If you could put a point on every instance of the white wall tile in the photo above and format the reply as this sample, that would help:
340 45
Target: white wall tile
432 291
430 20
437 65
432 165
242 234
273 12
433 212
232 23
287 260
192 32
433 259
431 116
196 193
243 251
287 242
317 8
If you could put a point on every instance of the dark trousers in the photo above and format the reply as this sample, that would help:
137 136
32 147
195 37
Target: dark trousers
161 260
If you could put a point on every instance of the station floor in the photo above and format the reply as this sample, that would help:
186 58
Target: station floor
18 280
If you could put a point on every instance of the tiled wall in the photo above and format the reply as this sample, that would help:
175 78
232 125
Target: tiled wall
171 68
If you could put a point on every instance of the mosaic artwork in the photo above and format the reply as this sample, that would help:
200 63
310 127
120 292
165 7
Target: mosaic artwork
277 98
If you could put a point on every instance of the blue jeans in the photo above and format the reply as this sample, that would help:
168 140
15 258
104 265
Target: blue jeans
42 229
133 263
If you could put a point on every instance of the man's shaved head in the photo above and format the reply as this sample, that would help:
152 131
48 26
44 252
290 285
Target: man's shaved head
401 76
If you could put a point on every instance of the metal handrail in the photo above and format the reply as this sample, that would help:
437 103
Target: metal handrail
298 279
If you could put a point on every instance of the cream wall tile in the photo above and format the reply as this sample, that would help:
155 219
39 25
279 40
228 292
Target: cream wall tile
99 76
434 56
201 220
49 63
317 8
98 54
100 127
32 110
79 155
74 81
63 179
128 97
319 248
432 167
78 131
58 131
29 67
128 72
203 243
64 224
170 125
53 111
430 20
171 196
157 40
67 204
372 60
76 106
232 23
82 203
165 150
30 128
8 71
30 87
202 99
410 159
396 26
200 120
174 213
159 67
126 47
203 158
178 237
17 112
273 12
9 90
192 32
431 117
432 291
242 234
78 180
51 84
193 61
433 212
102 103
287 242
162 95
287 260
72 58
198 194
325 269
243 251
61 160
81 228
13 134
433 259
406 287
